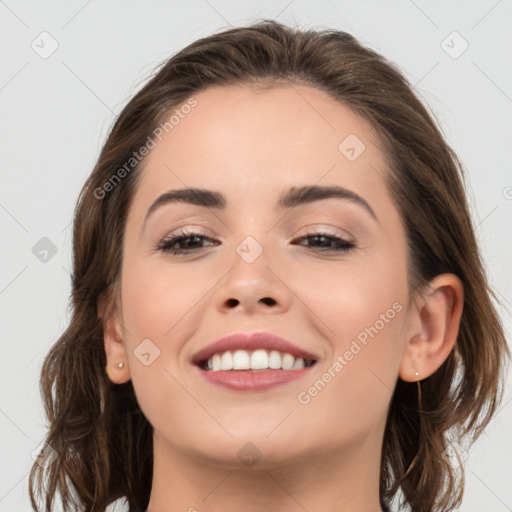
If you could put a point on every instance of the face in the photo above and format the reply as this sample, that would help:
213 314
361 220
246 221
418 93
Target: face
329 275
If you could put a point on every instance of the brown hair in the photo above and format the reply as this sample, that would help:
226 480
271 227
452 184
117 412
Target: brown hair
102 439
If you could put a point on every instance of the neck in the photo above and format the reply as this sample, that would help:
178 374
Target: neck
336 480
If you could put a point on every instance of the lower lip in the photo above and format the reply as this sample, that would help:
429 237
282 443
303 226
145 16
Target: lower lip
244 380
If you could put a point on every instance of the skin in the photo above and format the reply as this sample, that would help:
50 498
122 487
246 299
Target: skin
252 145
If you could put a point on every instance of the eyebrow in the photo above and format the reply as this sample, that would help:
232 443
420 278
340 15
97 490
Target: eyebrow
295 196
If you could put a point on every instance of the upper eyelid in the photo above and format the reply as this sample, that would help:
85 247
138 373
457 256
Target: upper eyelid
326 225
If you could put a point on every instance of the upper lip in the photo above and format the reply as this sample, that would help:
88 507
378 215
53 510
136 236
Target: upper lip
251 341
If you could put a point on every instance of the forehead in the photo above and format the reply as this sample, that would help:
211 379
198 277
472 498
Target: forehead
252 144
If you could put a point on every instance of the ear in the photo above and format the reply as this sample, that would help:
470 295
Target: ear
108 312
434 327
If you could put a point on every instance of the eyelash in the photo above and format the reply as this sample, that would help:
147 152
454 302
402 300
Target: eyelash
166 243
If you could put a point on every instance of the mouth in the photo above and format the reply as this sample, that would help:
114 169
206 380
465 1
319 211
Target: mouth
253 361
259 360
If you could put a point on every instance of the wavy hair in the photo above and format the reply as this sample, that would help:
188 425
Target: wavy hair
103 442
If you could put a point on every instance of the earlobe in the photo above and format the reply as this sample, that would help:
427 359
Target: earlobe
115 351
436 326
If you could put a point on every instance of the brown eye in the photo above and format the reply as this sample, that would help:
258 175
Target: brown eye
186 242
325 242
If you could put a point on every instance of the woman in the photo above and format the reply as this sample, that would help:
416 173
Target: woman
278 300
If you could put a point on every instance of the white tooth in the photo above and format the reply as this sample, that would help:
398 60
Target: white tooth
227 361
241 360
299 363
259 359
274 360
287 363
217 362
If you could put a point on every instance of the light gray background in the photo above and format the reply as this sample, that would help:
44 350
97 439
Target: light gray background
56 111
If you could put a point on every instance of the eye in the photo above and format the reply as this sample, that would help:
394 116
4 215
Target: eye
325 239
189 240
193 241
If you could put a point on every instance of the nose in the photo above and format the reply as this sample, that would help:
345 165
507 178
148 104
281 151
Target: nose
259 286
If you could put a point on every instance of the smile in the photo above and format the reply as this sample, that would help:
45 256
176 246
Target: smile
257 360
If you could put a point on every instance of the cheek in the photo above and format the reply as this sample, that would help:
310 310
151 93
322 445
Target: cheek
356 382
351 295
158 302
156 295
360 309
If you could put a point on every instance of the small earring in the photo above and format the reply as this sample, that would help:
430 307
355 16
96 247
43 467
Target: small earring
417 373
120 365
